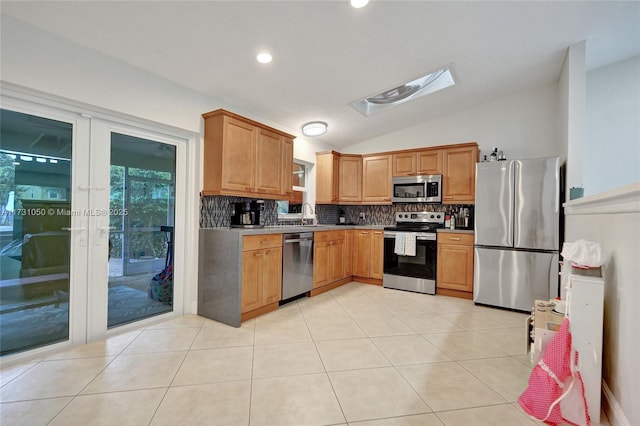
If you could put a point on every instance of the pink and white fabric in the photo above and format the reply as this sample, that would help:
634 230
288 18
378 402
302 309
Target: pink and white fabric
556 392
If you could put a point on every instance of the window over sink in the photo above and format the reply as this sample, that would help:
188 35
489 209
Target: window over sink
296 210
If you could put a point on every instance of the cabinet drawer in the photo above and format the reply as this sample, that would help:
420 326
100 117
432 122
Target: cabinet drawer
455 238
323 236
255 242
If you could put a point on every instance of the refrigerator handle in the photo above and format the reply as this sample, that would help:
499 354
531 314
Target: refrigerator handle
516 214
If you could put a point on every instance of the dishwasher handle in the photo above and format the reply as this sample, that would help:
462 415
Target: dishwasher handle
297 240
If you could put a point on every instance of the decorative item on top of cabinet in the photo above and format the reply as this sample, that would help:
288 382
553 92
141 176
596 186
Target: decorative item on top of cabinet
245 158
455 265
415 163
459 174
261 274
376 179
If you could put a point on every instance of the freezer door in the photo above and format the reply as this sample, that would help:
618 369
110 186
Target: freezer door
494 204
537 204
514 279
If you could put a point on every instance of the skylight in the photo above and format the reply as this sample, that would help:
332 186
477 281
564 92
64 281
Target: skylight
428 83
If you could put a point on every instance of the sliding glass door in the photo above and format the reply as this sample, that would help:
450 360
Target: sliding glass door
37 172
141 205
87 226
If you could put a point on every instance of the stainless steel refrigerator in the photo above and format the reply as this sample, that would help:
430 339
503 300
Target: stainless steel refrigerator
517 216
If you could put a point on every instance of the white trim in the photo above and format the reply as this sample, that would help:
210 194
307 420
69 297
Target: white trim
612 409
191 182
625 199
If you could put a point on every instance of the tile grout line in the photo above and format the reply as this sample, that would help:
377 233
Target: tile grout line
326 373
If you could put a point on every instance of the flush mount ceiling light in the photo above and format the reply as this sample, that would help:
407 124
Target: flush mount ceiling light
264 57
314 128
427 83
357 4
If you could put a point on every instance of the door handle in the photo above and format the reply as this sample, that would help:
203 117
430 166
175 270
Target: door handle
65 228
87 188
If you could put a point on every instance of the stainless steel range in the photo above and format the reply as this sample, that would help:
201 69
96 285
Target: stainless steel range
411 251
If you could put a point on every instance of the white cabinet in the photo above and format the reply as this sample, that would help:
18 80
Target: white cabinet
586 315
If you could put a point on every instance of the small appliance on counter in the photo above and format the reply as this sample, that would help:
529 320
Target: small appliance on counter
246 214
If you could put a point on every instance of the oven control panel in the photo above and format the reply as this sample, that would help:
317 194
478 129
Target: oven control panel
420 217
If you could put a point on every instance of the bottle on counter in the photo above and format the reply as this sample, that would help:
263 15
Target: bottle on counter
452 224
447 220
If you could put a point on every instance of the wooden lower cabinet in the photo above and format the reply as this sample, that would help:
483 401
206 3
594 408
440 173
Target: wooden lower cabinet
330 263
455 265
261 274
377 254
368 254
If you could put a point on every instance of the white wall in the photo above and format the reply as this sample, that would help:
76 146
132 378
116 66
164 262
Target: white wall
523 125
37 60
612 138
572 100
619 236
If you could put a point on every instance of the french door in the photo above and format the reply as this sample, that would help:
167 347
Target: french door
87 225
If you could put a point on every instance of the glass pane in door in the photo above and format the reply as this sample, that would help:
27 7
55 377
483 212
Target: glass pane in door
35 217
142 215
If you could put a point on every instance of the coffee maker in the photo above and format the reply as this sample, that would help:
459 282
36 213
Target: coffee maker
246 214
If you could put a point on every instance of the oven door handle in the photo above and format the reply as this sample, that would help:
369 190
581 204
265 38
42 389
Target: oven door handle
392 235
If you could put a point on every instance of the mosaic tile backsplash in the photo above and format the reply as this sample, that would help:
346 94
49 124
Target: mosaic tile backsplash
216 211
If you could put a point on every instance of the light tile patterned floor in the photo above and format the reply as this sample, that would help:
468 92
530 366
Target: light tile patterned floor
358 355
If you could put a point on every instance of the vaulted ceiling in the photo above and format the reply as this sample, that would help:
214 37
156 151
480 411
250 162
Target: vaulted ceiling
326 55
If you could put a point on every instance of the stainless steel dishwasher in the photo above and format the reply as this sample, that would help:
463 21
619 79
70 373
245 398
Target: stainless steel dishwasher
297 264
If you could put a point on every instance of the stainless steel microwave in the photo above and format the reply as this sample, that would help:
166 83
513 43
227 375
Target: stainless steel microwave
417 189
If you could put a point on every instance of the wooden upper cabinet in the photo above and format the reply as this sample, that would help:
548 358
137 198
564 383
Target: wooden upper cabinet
429 162
243 157
238 155
376 179
405 164
422 162
327 177
350 189
269 162
459 174
287 169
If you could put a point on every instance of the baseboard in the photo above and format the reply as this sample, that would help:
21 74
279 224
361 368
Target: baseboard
612 409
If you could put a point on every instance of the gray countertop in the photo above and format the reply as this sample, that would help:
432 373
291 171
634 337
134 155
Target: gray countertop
457 231
289 229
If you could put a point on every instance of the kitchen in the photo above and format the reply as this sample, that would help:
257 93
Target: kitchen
526 115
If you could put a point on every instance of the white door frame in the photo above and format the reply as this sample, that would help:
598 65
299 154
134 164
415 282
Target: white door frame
101 131
84 327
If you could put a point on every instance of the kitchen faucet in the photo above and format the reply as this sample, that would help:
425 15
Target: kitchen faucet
310 208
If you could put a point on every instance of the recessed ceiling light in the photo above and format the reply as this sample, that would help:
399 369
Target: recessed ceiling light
357 4
264 58
314 128
427 83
